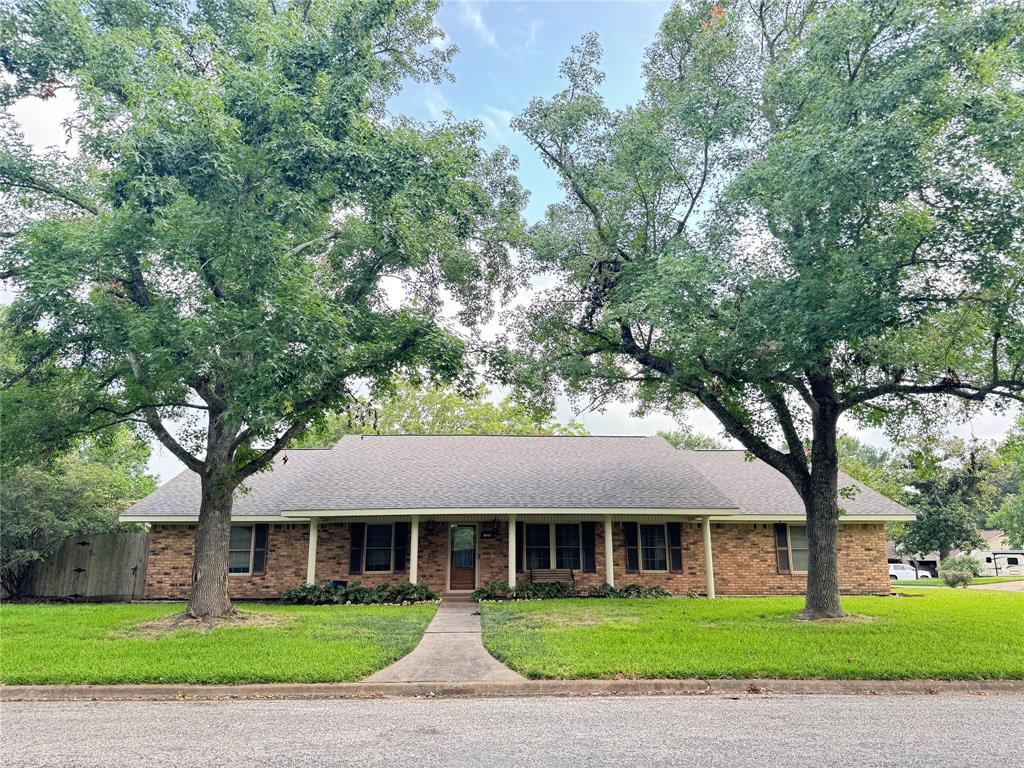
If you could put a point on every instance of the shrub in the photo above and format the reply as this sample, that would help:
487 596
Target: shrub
959 571
357 594
499 590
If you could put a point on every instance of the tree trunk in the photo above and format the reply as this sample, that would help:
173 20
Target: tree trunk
209 595
821 505
13 580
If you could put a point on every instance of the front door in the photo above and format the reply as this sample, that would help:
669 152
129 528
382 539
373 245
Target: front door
462 569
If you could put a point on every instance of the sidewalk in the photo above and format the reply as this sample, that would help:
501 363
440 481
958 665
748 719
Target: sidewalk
451 650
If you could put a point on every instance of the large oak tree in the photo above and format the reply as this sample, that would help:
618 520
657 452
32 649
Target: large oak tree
814 211
247 235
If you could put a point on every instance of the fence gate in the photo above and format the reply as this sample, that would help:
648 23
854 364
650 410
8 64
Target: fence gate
105 566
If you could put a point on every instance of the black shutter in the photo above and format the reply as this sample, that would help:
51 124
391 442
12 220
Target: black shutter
675 547
782 548
401 543
259 548
632 553
589 532
355 563
520 543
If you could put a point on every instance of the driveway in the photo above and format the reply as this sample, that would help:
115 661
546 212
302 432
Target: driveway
1001 586
748 731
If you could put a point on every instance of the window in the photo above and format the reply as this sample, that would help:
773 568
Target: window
798 547
378 547
653 548
782 547
1012 561
567 546
247 550
791 548
538 546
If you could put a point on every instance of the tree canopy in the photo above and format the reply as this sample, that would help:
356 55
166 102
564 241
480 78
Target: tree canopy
247 234
413 409
815 210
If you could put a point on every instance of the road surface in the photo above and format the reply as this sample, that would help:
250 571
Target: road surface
755 731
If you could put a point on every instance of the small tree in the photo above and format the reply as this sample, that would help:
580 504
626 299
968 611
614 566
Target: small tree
221 262
959 571
812 214
81 491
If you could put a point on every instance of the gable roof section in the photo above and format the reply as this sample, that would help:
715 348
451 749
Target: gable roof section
761 491
394 473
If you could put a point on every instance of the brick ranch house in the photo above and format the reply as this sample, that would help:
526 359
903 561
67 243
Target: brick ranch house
455 512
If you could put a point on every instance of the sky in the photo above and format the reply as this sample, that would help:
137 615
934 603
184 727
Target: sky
508 53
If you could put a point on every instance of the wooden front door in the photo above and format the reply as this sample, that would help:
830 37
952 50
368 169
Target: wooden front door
462 565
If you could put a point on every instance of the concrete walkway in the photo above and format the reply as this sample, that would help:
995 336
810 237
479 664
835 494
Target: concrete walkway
451 651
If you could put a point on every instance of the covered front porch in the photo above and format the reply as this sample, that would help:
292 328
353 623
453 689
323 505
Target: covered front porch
457 552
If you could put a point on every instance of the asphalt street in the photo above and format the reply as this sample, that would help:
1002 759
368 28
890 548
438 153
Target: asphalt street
766 732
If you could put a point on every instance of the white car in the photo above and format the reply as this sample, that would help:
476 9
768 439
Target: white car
902 572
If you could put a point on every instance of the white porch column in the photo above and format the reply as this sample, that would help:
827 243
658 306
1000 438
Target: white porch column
414 547
609 565
311 556
709 566
512 550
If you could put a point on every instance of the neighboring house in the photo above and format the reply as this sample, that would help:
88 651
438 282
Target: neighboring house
456 512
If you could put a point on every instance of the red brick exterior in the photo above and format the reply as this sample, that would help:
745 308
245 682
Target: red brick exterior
744 560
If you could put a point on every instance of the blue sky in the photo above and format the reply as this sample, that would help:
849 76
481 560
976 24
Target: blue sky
510 52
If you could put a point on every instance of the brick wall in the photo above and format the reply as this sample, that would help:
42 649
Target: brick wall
744 556
169 570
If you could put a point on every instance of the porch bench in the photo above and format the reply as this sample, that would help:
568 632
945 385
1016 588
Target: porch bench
552 575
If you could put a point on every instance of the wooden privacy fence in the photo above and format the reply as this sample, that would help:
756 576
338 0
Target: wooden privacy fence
104 566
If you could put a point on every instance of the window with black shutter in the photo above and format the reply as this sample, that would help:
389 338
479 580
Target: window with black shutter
675 547
632 552
259 548
782 548
589 547
520 539
401 546
355 564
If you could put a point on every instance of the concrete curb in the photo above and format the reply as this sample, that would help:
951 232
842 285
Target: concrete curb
526 688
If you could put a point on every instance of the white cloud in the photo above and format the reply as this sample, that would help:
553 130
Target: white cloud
531 34
474 19
496 122
435 102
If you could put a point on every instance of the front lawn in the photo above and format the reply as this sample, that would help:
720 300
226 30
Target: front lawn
102 643
941 583
944 634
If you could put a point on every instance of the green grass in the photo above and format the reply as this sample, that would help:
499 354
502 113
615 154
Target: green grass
943 634
941 583
95 643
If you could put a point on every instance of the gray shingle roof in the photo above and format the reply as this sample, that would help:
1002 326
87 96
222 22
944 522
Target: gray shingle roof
757 489
381 472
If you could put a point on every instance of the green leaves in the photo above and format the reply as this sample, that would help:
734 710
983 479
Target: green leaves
246 238
798 198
